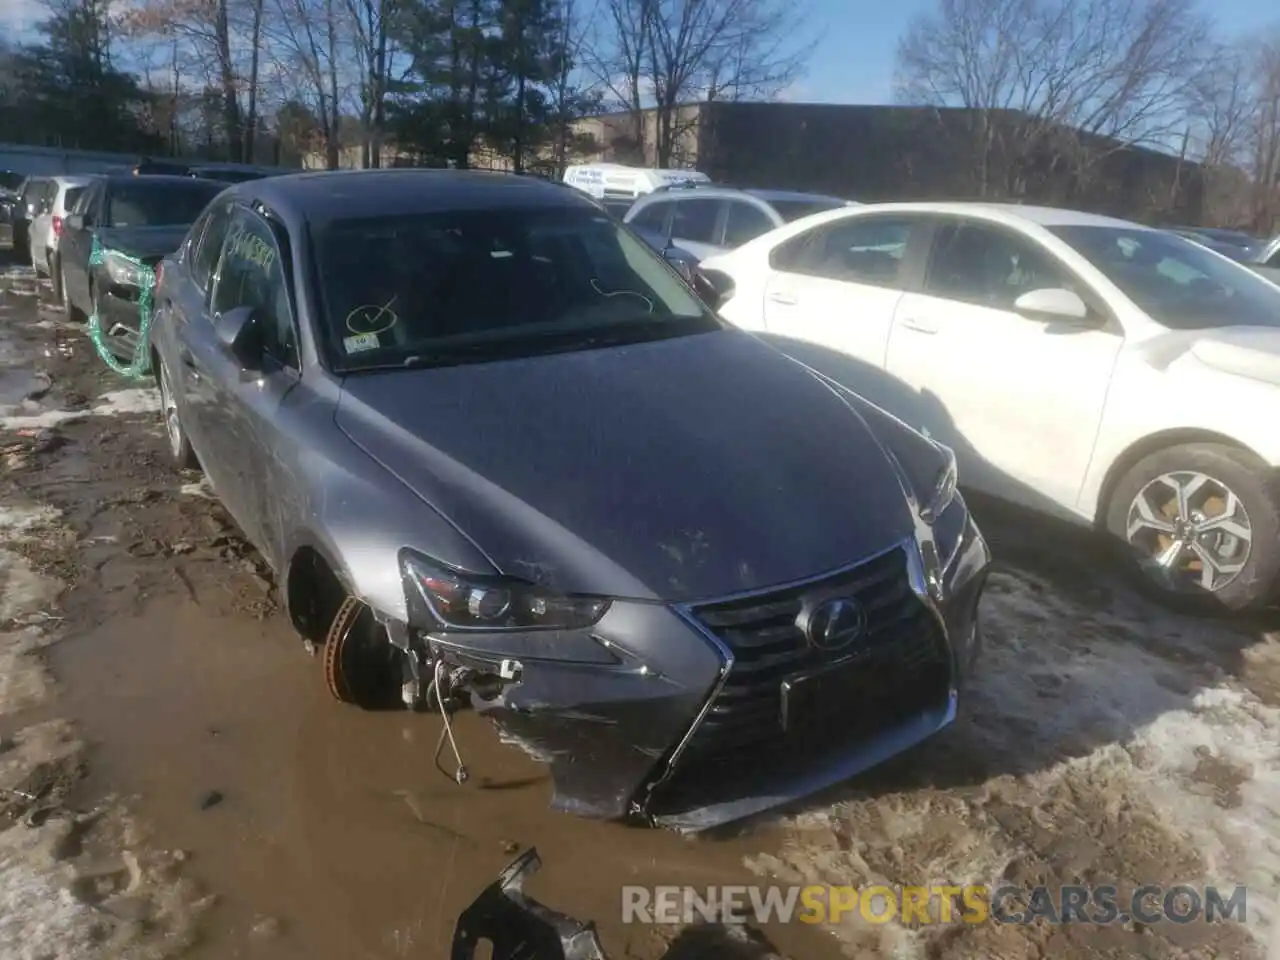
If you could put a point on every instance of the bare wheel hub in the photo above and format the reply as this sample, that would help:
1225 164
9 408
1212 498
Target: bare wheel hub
361 666
1190 531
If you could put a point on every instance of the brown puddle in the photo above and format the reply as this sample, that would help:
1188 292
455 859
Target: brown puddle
333 821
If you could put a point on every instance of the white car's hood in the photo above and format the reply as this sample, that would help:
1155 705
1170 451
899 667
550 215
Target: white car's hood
1252 352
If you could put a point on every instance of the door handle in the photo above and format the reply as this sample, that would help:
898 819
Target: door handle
785 299
919 325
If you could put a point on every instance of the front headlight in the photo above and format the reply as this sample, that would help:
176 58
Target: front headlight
937 498
457 601
122 271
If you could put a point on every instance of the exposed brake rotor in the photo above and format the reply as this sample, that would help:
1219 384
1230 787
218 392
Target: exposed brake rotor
361 666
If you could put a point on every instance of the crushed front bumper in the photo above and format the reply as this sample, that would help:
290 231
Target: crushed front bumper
677 716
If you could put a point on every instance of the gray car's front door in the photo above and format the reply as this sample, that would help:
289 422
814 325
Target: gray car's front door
189 354
241 422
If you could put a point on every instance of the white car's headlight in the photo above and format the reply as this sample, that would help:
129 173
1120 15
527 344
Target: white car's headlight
122 271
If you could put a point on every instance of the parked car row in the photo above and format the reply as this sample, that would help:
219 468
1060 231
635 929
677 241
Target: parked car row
39 203
495 448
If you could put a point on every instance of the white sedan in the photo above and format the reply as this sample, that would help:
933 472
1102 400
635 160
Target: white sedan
1086 367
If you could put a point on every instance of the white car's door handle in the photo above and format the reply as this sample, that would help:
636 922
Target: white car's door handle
919 325
785 299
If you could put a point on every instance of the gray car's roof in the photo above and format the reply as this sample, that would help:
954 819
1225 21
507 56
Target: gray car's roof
332 194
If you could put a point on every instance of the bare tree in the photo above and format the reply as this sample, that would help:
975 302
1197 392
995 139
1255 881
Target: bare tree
208 33
371 20
1264 135
1080 78
669 53
309 40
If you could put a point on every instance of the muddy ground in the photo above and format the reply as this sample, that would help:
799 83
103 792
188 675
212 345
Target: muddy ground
174 781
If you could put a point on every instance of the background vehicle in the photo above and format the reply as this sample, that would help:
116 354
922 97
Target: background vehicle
613 181
1235 244
420 394
707 220
140 217
10 185
30 198
1082 366
46 228
229 174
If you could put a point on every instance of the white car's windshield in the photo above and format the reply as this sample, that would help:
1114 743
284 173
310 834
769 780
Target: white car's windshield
472 285
1178 283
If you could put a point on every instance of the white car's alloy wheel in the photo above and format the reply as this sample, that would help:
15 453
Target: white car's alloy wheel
1191 531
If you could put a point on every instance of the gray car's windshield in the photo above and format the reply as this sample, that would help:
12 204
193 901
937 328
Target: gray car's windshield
148 203
466 286
1177 282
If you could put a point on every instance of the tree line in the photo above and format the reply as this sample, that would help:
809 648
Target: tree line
1063 86
265 80
1048 87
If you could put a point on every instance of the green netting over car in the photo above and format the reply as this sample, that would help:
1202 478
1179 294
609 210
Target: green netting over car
140 366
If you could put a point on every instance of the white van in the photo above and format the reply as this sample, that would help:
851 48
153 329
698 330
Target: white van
613 181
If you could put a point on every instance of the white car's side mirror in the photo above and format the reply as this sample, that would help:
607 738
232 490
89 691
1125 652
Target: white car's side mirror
1052 303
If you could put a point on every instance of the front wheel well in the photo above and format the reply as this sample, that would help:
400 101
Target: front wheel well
313 594
1149 445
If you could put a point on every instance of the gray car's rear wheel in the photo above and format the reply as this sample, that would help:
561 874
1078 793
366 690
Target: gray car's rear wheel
179 446
1200 524
361 666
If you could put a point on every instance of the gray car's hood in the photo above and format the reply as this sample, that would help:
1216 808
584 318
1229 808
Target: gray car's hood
687 468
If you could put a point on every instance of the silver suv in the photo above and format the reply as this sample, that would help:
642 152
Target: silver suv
705 219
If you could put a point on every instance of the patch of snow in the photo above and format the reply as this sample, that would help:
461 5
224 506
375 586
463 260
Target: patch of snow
199 488
1239 838
1115 721
115 403
17 521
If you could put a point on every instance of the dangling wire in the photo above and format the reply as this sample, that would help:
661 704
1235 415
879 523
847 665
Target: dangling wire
438 683
140 367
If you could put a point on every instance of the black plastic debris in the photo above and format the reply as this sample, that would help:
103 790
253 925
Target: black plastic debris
519 928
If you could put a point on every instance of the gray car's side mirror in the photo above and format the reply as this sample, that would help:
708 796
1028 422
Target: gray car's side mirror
1052 303
76 222
240 334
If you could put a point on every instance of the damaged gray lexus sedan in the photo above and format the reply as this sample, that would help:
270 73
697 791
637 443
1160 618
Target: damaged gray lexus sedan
497 452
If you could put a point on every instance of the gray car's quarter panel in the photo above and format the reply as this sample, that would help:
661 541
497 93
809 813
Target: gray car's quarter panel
681 469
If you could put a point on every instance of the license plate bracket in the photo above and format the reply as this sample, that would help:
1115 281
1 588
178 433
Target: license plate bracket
807 700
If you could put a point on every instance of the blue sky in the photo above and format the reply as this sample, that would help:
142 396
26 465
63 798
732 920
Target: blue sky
854 60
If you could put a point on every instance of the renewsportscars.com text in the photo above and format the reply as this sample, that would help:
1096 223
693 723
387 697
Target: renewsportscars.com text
936 903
